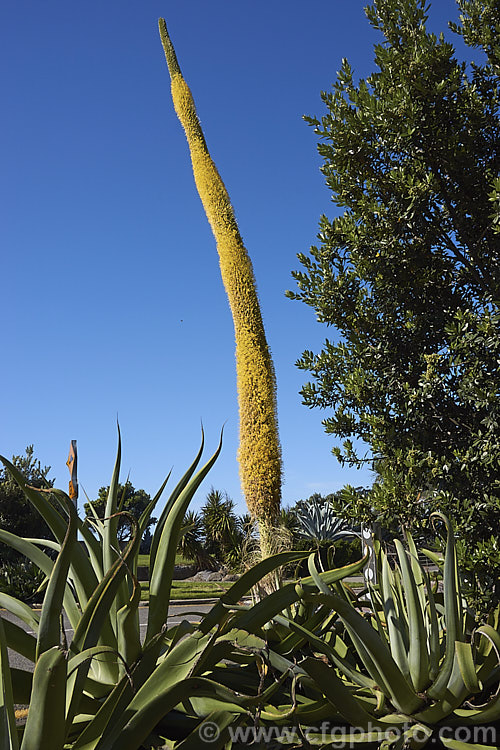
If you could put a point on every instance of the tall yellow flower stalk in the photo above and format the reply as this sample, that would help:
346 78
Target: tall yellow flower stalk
259 449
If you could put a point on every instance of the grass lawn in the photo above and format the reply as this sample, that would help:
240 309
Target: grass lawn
179 560
190 589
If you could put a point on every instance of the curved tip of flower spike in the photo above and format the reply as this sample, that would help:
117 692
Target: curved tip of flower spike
173 65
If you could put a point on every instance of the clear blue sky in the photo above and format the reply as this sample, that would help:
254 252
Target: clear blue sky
111 298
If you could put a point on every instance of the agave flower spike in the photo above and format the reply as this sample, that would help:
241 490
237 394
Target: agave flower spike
259 450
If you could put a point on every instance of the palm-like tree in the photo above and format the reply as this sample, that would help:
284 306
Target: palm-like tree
219 519
191 545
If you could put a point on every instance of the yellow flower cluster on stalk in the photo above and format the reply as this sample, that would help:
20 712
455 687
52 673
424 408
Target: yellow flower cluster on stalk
259 448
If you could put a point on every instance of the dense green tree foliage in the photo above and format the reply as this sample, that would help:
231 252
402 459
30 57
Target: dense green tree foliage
409 275
130 500
17 514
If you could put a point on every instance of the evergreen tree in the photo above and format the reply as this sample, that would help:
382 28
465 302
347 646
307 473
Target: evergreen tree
409 275
17 514
130 500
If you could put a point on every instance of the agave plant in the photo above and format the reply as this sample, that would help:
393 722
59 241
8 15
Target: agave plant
106 688
316 520
394 669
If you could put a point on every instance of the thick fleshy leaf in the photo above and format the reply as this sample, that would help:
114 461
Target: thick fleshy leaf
218 724
418 657
393 620
457 745
171 501
21 610
467 667
257 616
374 653
453 613
49 629
164 561
22 685
8 731
45 728
110 546
19 640
28 548
87 634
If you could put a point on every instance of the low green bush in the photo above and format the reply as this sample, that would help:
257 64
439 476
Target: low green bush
22 580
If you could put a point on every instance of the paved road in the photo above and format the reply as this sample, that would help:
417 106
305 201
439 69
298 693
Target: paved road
177 612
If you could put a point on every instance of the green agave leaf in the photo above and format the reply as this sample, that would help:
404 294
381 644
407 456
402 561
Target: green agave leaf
490 656
483 715
49 629
221 721
455 694
90 653
467 667
21 610
417 571
94 548
435 557
110 546
171 501
256 697
415 737
45 728
418 657
456 745
19 640
322 646
374 653
49 543
341 657
146 514
49 513
176 665
365 653
247 581
489 711
89 628
164 560
377 614
27 548
309 712
22 685
263 612
216 651
155 699
392 617
8 731
434 641
453 613
127 626
292 642
88 632
340 697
